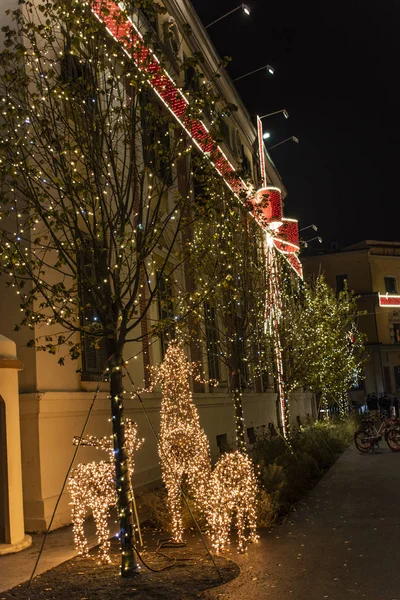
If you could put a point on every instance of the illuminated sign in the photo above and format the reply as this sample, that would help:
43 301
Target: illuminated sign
389 300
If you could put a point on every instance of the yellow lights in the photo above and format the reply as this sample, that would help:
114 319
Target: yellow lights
92 487
232 500
226 494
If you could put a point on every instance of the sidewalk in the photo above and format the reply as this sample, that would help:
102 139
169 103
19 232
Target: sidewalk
59 547
341 543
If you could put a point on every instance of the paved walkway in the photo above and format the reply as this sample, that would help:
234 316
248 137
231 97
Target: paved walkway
59 547
343 542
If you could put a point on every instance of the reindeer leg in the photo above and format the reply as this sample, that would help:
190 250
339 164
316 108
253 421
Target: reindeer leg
78 519
241 514
172 481
100 516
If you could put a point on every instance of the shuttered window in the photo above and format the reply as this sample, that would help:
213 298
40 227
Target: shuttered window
211 341
94 351
166 313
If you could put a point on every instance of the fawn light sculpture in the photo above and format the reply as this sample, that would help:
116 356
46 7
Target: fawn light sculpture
92 487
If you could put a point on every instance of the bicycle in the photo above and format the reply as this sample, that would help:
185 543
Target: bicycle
367 436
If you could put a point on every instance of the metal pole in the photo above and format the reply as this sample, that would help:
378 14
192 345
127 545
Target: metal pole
223 16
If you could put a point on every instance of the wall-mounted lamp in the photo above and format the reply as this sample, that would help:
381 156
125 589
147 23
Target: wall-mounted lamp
244 8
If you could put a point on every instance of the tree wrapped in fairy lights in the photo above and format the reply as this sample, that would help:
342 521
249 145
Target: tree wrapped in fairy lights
321 345
94 215
231 322
225 494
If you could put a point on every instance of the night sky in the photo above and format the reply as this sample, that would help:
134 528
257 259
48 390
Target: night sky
337 74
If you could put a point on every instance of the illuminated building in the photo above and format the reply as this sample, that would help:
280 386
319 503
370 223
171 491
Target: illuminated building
55 399
372 269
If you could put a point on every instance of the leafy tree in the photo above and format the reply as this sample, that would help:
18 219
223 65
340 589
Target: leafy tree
321 345
231 322
95 197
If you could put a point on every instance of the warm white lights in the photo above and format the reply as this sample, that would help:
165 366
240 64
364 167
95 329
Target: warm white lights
92 487
225 495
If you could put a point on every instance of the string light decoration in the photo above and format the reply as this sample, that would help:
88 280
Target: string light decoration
92 487
232 497
225 493
121 27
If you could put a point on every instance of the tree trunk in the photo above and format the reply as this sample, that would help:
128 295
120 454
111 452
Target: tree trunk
129 566
238 407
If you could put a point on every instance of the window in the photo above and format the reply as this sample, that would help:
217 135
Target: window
251 434
397 376
191 79
390 285
79 77
156 155
94 348
165 312
340 283
246 165
239 350
211 341
225 132
396 333
386 379
222 443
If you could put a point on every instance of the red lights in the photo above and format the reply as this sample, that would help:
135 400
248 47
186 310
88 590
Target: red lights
386 300
266 207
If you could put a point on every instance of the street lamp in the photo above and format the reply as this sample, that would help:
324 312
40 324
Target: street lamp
266 135
293 138
285 114
268 68
305 243
244 8
308 226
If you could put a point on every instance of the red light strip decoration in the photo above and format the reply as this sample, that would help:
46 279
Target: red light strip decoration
125 32
261 151
266 207
389 300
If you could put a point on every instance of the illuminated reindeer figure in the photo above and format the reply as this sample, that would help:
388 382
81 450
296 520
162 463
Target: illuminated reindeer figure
222 494
92 487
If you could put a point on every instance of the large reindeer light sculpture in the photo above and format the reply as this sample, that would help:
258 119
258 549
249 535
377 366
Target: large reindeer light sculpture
225 493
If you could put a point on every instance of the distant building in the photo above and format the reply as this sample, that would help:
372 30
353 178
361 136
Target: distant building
372 269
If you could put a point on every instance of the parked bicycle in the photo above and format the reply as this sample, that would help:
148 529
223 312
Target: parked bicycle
367 436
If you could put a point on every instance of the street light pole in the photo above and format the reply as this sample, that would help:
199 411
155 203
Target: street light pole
308 227
244 7
270 70
293 138
276 112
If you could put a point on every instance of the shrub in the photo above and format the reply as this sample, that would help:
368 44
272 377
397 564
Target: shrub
153 505
288 471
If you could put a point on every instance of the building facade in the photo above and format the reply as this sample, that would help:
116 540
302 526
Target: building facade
372 269
54 400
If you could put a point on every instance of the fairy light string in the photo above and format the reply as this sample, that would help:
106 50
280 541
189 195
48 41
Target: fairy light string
225 494
92 487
